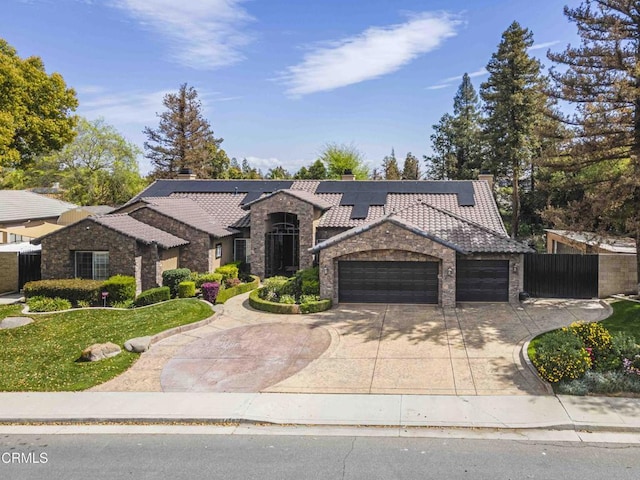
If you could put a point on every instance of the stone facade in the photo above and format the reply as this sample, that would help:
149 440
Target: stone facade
374 245
126 255
9 269
617 274
516 270
261 212
198 255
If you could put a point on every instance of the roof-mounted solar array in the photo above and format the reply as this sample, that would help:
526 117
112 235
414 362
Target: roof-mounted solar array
252 189
363 194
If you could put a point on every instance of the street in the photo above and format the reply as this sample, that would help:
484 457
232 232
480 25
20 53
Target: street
100 456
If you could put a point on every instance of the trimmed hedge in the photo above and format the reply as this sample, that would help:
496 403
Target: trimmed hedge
227 293
210 291
153 295
201 278
316 306
259 303
228 271
187 289
121 288
172 278
266 306
72 289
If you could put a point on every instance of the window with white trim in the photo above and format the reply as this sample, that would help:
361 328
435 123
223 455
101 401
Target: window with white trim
242 250
92 265
218 250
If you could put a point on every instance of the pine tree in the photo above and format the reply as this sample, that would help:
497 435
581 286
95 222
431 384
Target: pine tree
602 77
411 168
514 104
183 138
457 140
390 167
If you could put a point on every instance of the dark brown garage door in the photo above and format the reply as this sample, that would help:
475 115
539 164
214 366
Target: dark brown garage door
482 280
388 282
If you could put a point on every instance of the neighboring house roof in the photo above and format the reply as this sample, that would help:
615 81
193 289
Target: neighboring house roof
142 232
308 197
471 200
97 209
33 229
441 226
19 205
22 247
186 211
607 243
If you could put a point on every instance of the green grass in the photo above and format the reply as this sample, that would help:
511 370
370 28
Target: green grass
10 310
625 318
42 356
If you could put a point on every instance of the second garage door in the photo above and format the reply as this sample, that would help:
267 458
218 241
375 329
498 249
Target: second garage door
388 282
482 280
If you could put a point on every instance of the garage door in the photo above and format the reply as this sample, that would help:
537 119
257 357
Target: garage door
482 280
388 282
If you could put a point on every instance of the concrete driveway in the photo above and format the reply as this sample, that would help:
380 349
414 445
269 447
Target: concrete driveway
400 349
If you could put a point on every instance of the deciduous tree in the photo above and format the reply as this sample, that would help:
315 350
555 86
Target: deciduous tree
341 158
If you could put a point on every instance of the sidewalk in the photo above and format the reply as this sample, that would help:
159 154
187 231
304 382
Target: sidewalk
496 412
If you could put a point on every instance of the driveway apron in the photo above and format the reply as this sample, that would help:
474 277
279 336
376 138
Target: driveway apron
474 349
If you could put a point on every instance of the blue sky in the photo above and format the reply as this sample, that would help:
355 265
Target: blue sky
279 79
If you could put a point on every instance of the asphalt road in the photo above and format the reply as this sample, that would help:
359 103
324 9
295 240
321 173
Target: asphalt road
99 456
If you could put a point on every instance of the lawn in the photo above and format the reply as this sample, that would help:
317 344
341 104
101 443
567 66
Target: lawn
42 356
625 318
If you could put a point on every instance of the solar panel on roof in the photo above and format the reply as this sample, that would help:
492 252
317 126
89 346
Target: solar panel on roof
363 194
252 189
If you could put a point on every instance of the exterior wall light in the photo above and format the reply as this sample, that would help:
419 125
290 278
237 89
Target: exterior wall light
450 272
515 268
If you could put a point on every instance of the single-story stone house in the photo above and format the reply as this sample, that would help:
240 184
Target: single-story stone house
436 242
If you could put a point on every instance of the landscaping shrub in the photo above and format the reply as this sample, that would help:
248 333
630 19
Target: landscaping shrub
227 293
597 341
259 303
123 304
187 289
172 278
153 295
308 282
287 299
83 304
72 289
309 298
120 288
230 270
316 306
232 282
210 291
47 304
600 382
561 355
201 278
273 287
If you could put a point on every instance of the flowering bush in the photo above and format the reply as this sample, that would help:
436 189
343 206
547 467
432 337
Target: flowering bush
561 355
632 366
596 339
210 291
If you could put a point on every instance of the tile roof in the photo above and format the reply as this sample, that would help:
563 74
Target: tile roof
17 205
189 212
142 232
441 226
304 195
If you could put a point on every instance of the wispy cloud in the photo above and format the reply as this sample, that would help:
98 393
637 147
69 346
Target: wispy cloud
450 81
542 46
263 164
375 52
124 108
203 34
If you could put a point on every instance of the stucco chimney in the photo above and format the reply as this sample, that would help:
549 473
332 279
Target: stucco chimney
348 175
186 174
487 177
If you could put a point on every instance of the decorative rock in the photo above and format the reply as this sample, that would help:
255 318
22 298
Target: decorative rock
15 322
100 351
138 345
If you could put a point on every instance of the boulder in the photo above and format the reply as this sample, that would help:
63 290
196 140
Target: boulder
15 322
138 345
100 351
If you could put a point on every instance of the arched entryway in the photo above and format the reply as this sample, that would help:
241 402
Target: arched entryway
282 245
